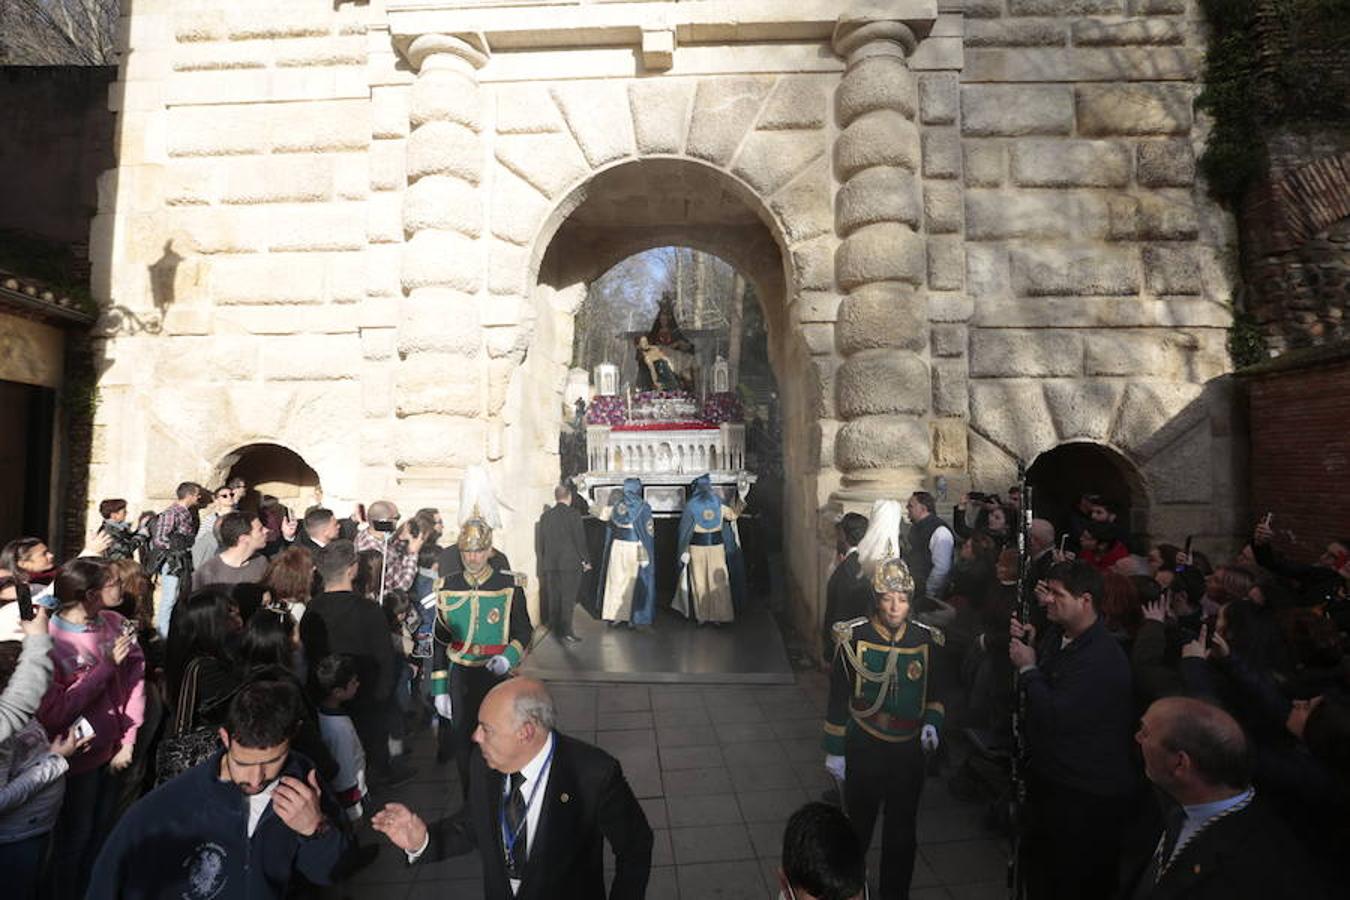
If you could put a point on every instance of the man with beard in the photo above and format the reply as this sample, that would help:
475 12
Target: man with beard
1079 714
239 824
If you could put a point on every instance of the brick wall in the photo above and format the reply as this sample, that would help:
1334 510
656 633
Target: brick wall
1300 453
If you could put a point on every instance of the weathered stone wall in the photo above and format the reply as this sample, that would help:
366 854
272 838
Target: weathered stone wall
234 245
362 233
1099 272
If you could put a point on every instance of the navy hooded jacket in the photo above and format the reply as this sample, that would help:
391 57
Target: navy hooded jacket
188 840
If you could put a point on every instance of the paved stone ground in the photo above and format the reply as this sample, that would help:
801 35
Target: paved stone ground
718 770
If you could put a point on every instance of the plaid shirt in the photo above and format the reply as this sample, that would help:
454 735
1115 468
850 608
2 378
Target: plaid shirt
176 520
400 566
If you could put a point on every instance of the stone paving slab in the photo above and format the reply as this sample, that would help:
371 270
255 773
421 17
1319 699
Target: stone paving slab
718 770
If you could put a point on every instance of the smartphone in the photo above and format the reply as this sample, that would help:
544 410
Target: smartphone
1187 549
82 729
129 628
24 593
1270 516
1063 539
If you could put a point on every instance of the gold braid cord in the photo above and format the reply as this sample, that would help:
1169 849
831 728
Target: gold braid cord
885 676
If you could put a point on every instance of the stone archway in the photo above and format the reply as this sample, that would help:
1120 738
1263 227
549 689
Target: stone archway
496 173
626 209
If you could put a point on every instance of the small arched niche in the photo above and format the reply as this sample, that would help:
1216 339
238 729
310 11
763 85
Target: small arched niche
271 469
1061 475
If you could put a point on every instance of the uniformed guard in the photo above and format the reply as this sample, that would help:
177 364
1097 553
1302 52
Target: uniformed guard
882 719
482 632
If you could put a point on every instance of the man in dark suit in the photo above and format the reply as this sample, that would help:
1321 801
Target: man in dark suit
320 529
848 595
540 807
560 547
1218 839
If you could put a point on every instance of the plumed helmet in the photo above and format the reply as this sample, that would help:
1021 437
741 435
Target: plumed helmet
475 533
892 575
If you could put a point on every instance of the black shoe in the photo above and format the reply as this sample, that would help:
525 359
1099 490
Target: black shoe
571 639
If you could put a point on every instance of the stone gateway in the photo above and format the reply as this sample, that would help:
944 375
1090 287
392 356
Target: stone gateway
361 231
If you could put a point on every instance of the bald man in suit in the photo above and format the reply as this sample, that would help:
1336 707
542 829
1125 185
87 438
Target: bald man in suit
540 807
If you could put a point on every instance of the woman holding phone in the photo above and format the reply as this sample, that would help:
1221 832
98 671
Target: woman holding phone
98 688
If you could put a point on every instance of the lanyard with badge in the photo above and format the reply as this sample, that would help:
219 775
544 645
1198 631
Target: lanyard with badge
510 837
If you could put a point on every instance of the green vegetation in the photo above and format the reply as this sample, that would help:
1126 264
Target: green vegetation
1271 64
1246 345
51 263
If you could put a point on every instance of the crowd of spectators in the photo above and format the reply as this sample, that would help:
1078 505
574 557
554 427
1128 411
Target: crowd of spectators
1146 670
1178 710
204 639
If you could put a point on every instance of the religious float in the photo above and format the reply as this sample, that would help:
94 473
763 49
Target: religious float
679 421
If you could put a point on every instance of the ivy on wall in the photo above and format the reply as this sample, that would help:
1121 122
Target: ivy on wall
1271 64
1246 344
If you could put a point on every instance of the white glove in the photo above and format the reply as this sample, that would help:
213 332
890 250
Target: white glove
684 558
499 665
835 766
442 704
928 737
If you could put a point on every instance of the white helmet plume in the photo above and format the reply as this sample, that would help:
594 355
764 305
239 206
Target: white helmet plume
883 530
477 498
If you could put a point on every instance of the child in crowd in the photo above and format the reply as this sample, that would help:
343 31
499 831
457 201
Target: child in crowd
338 683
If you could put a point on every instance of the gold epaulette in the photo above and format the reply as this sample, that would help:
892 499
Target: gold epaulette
935 633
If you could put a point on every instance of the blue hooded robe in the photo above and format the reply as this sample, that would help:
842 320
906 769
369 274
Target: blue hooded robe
630 516
706 506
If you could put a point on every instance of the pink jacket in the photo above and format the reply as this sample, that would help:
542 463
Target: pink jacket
86 683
